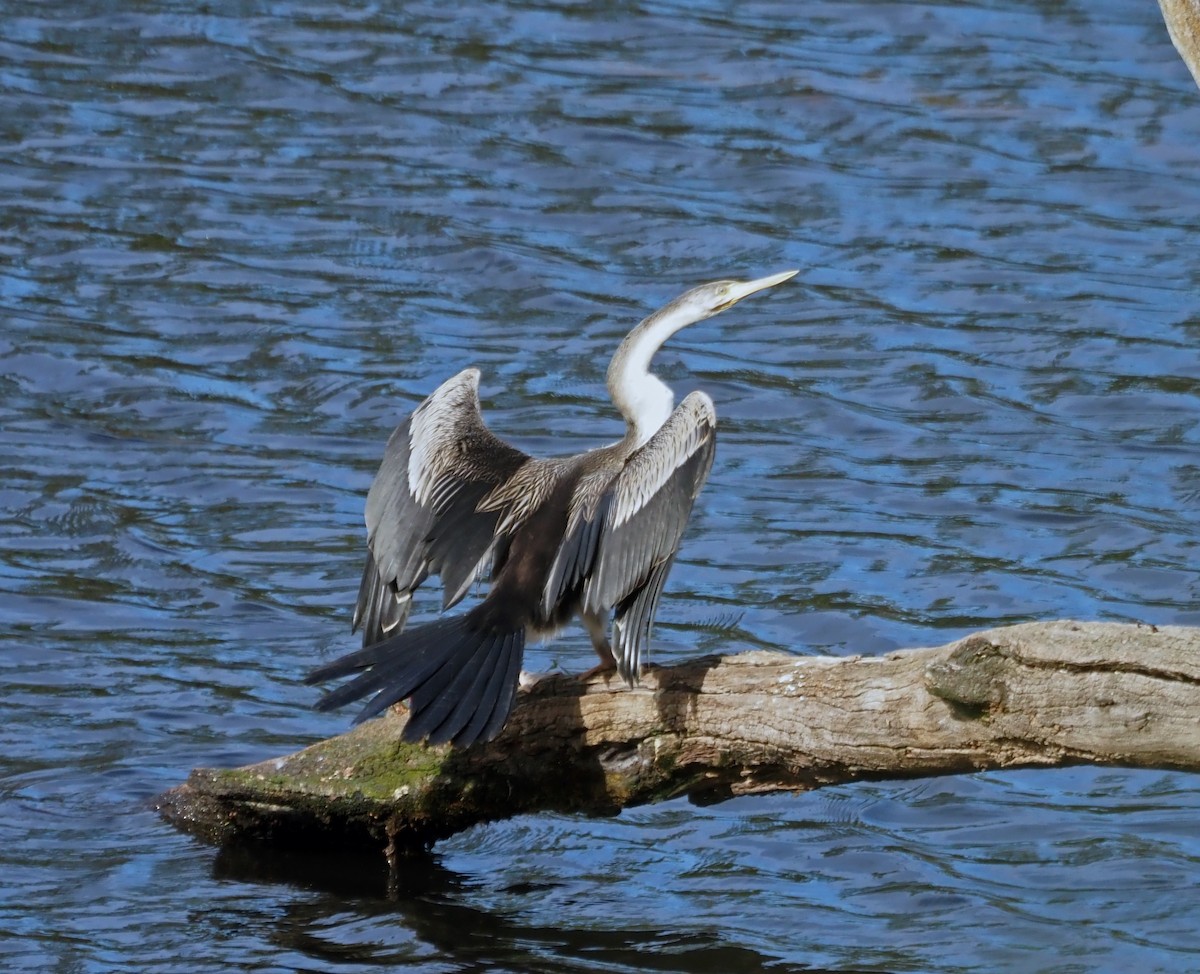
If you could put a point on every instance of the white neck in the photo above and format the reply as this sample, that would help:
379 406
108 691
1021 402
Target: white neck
642 397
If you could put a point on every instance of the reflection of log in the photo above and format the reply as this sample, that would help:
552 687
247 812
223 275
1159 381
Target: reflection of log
1183 24
1039 694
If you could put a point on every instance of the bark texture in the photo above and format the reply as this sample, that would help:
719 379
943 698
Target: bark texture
1039 694
1183 24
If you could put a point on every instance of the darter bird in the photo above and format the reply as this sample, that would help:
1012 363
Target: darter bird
592 535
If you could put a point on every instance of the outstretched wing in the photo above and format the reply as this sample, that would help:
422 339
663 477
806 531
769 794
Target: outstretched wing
423 510
644 513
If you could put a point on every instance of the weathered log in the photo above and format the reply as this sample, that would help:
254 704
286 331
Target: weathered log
1183 24
1039 694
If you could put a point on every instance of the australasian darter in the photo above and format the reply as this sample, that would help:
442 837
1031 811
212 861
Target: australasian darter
592 535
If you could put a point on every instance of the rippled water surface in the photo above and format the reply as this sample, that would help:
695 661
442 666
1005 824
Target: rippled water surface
239 241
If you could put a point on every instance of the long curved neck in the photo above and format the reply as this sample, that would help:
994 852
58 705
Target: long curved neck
642 397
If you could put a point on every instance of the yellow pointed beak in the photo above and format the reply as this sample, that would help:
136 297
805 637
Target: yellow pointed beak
743 289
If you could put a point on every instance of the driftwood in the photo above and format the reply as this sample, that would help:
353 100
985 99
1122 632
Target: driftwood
1040 694
1183 24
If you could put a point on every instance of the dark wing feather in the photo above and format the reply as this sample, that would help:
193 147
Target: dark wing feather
576 554
423 514
644 516
633 618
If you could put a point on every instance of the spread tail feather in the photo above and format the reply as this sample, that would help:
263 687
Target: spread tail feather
461 678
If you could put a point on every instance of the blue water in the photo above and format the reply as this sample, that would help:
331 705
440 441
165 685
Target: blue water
239 242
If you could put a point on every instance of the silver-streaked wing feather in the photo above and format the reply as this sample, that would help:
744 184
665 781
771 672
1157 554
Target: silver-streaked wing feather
645 513
424 512
586 518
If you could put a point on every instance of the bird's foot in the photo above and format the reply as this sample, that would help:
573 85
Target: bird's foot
606 669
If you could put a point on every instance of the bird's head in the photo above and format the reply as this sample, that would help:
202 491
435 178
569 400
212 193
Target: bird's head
710 299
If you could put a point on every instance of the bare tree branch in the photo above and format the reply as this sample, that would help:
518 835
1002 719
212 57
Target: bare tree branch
1039 694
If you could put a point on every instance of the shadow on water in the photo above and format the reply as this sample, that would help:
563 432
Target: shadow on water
430 904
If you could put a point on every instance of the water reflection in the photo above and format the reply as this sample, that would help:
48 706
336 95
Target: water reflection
427 909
